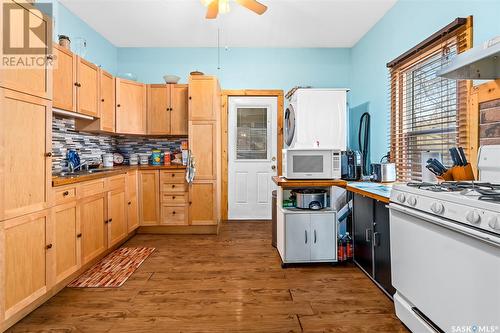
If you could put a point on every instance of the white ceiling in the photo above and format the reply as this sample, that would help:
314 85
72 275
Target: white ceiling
181 23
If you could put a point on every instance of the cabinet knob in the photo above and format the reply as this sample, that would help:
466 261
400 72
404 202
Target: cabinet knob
173 198
79 235
102 99
110 220
190 97
190 203
117 105
173 186
49 154
49 246
107 221
78 84
65 193
50 57
130 202
173 175
173 213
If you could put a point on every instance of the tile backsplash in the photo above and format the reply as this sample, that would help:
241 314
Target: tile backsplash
90 147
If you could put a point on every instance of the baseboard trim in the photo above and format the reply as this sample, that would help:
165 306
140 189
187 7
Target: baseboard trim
179 230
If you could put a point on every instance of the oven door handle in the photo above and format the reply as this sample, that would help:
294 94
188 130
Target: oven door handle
482 236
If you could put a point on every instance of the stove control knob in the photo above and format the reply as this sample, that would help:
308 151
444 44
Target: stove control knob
401 197
437 208
473 217
494 223
412 201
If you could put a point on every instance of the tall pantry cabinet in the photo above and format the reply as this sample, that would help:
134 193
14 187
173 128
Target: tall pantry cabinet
205 144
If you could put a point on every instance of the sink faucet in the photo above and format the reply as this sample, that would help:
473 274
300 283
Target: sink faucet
73 168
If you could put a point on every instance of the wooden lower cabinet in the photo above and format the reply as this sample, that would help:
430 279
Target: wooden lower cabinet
149 197
202 203
25 247
66 240
117 217
93 217
132 201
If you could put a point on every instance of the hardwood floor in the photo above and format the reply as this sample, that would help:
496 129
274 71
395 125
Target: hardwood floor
232 282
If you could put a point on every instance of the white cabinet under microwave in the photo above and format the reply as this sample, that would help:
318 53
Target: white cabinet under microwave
312 163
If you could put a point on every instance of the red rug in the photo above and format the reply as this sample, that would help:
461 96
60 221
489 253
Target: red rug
114 269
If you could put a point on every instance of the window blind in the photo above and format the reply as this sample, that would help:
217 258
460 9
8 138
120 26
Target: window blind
428 113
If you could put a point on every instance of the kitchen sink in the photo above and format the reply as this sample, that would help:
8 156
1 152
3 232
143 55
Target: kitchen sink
73 174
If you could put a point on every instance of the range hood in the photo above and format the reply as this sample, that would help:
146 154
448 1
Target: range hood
479 63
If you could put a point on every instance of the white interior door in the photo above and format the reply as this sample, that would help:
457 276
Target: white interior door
252 140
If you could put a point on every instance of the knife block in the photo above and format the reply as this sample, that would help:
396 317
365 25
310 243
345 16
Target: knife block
458 173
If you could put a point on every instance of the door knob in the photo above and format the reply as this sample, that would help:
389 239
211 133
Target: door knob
273 159
273 167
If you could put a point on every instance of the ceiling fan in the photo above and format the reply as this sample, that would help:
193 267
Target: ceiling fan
222 6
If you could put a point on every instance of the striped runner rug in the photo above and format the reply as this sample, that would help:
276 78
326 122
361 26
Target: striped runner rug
114 269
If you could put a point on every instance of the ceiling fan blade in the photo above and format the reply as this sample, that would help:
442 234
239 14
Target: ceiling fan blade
213 10
253 5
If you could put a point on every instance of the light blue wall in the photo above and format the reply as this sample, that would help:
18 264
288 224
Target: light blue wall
405 25
99 50
242 68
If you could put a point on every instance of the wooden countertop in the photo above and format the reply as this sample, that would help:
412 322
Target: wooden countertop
61 181
290 183
377 191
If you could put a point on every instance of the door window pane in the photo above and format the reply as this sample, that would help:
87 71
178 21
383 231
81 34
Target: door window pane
251 133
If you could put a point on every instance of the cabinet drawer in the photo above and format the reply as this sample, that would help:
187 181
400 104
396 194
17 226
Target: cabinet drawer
172 177
116 182
173 215
93 187
64 195
174 188
173 199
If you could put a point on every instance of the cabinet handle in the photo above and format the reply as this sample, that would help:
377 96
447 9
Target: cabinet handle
49 246
368 237
65 193
305 232
314 236
49 154
376 239
79 235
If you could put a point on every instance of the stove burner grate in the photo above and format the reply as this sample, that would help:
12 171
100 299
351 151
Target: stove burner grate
486 189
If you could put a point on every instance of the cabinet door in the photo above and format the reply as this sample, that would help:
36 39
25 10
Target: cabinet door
179 109
203 145
30 79
87 88
25 141
363 232
66 241
202 207
201 98
117 217
297 237
64 79
158 109
107 101
149 197
323 237
130 107
132 204
93 217
382 248
26 248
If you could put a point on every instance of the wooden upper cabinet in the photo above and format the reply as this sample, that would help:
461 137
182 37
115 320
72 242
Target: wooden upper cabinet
202 94
130 107
32 80
179 109
107 101
87 88
158 109
25 250
167 109
64 79
25 143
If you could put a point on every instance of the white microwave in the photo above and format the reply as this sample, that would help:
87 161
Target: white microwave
313 163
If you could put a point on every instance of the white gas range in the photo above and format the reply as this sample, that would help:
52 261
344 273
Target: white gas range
445 256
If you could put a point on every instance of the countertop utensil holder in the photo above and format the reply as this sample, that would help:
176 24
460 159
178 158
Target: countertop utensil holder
458 173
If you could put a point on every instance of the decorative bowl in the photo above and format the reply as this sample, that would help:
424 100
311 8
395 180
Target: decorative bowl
171 78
